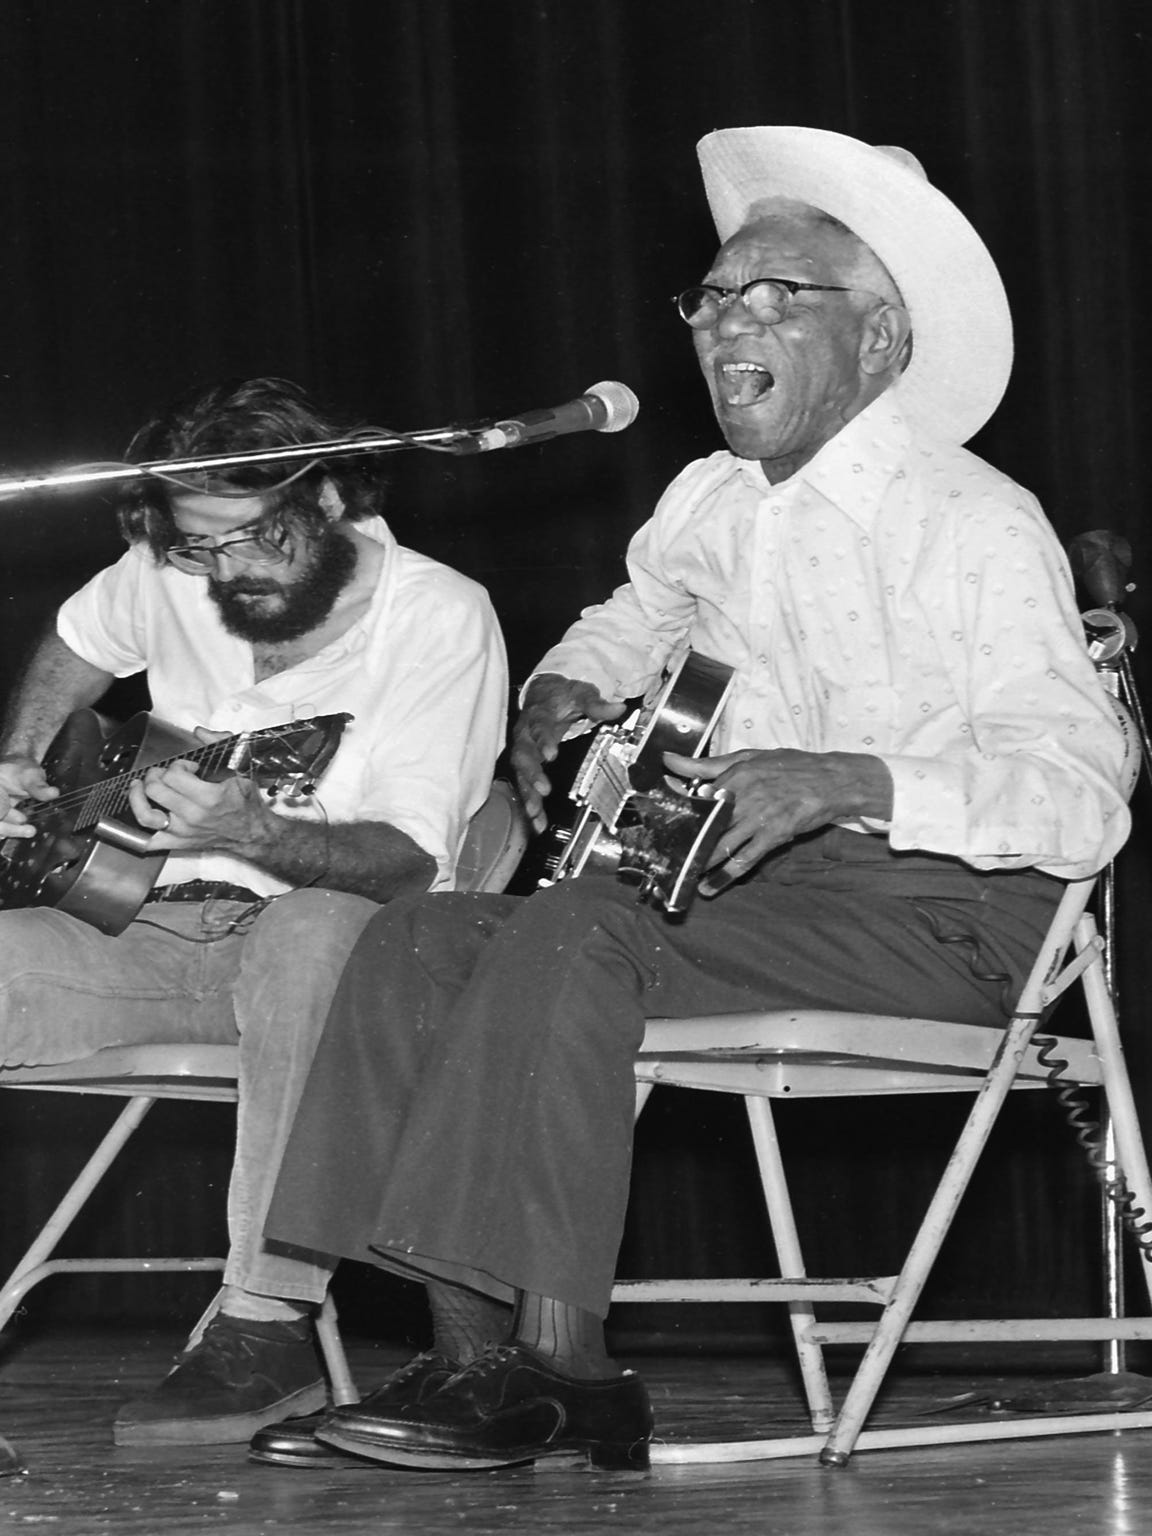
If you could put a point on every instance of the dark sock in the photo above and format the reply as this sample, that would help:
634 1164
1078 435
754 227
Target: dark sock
465 1323
569 1338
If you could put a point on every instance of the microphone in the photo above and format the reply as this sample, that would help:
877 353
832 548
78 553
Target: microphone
1101 560
1108 634
607 407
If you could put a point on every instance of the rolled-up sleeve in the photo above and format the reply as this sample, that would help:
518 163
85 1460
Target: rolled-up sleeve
104 622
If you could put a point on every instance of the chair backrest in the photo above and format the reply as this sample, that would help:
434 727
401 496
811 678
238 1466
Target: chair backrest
494 842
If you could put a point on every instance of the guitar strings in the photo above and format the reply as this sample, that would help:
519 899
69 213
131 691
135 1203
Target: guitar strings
110 793
108 789
109 796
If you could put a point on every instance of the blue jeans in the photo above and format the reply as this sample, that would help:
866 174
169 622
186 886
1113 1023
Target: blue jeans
174 974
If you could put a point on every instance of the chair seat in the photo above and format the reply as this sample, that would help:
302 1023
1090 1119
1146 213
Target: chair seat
814 1053
183 1071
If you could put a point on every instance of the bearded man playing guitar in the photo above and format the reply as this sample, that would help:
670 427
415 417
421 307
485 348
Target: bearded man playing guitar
266 602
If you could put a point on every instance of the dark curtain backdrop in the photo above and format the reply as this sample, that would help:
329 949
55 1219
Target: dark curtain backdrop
436 210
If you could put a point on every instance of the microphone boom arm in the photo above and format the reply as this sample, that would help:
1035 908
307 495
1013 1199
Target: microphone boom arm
460 440
606 407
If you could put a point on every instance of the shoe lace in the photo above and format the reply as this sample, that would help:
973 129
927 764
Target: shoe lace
420 1363
220 1355
223 1354
493 1359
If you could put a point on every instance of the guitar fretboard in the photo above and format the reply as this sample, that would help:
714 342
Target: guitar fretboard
109 797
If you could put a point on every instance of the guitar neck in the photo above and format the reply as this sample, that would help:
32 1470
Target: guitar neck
109 797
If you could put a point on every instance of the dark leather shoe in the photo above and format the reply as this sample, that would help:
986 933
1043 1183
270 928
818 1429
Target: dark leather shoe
293 1442
507 1406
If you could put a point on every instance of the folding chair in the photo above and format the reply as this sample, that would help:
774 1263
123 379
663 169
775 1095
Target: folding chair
764 1056
493 845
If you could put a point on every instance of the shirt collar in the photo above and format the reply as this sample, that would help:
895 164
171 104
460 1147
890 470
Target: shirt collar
356 636
853 470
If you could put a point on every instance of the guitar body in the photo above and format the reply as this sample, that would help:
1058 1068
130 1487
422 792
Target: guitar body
635 821
88 856
66 865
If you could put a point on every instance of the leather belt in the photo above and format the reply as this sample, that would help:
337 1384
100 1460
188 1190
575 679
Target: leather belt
201 890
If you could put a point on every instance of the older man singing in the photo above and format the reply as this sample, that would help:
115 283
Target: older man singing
917 750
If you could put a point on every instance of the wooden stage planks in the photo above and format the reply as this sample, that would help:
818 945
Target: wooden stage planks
58 1395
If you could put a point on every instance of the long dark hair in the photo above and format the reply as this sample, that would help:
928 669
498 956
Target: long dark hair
231 417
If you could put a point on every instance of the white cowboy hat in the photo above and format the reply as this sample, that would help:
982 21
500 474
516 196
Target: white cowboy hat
961 325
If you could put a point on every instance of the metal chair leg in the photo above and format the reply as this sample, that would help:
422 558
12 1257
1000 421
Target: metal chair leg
336 1361
926 1245
790 1259
33 1267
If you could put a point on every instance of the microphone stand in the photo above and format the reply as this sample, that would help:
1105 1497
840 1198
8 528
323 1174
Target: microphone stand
458 440
605 407
1102 560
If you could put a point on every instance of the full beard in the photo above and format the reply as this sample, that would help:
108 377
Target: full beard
306 602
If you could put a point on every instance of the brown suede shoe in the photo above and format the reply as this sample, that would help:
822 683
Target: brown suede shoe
239 1377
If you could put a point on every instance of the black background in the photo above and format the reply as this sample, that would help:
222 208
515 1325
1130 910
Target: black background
431 212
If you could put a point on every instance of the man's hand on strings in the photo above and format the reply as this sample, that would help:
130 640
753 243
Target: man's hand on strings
21 778
552 706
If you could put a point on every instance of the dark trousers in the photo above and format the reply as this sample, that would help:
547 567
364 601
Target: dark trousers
470 1109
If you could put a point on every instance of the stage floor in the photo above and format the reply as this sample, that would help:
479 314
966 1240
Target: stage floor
59 1393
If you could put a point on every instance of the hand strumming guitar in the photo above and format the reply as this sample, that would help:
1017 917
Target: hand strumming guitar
552 705
21 778
780 794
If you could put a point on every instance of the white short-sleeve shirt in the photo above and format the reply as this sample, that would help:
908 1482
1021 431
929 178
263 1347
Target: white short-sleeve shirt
423 675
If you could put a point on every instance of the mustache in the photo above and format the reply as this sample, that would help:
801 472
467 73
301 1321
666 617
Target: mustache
243 586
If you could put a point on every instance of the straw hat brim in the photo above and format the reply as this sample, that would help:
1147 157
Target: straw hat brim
961 324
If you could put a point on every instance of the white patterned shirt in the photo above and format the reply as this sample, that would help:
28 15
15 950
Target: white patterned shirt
896 596
422 673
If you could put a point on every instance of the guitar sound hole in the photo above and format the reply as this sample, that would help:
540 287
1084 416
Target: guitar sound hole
68 852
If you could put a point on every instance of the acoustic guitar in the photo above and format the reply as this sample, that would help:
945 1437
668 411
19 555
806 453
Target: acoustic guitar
88 857
636 820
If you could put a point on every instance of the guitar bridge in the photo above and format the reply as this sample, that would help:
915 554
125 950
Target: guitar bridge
603 783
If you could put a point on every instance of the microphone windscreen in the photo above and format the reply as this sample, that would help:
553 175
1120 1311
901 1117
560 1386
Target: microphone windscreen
620 404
